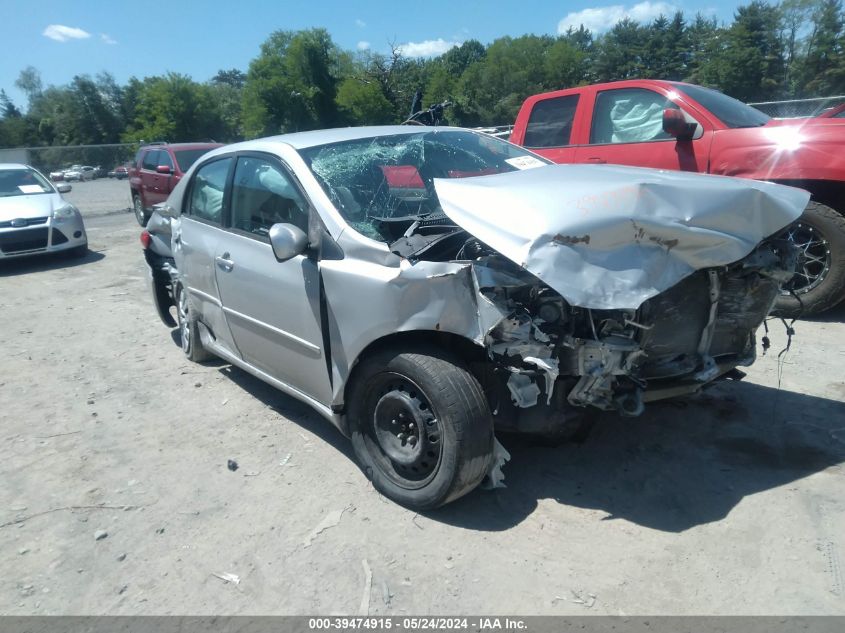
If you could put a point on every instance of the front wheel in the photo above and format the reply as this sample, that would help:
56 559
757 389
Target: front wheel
140 213
819 282
421 427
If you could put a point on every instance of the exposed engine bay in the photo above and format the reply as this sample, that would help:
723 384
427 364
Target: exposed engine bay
550 356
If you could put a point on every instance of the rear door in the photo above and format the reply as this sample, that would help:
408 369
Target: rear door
549 128
195 242
626 128
272 307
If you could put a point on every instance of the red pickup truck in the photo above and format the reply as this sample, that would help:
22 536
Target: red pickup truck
670 125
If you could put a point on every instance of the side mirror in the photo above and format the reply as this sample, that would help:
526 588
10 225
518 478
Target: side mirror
287 241
163 169
676 124
63 188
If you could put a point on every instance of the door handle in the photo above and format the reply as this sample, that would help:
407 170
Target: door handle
596 159
224 263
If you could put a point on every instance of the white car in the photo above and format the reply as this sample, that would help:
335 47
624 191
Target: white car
73 173
34 218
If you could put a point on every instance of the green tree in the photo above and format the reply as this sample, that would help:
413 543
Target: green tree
823 69
29 82
292 84
362 102
176 109
491 90
620 52
750 63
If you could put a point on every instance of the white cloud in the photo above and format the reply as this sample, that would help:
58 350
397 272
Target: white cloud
108 40
62 33
600 19
360 23
428 48
363 46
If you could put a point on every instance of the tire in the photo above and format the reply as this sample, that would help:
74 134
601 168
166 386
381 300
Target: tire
140 214
403 393
820 282
188 329
78 252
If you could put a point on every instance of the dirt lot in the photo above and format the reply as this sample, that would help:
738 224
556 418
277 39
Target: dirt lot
732 504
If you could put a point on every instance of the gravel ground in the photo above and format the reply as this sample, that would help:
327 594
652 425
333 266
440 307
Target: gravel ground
116 497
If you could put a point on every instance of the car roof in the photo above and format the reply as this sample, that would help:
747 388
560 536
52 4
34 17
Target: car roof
180 146
304 140
14 166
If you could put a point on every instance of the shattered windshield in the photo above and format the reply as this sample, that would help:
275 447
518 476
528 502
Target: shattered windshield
379 183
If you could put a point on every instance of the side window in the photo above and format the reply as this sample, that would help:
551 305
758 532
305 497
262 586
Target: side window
550 122
629 115
150 160
164 159
264 195
207 190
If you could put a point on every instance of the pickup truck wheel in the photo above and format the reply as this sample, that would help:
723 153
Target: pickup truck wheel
188 330
421 427
820 281
140 214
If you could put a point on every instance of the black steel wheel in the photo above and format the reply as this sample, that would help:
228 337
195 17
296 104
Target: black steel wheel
420 426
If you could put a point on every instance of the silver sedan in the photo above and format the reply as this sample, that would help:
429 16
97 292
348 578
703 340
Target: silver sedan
423 288
34 218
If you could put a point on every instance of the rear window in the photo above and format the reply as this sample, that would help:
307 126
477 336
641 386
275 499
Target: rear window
187 157
550 123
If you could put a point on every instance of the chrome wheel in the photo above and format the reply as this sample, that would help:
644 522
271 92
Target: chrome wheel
184 322
140 215
814 258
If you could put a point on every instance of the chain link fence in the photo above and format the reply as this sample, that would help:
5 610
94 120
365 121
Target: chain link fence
58 158
799 108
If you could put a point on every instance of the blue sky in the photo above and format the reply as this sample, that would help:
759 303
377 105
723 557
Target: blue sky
62 38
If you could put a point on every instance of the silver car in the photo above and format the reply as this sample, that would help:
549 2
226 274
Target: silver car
34 218
423 288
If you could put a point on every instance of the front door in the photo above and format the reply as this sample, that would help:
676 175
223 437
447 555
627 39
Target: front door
627 129
272 307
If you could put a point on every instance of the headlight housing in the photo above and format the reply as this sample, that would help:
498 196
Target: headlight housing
65 212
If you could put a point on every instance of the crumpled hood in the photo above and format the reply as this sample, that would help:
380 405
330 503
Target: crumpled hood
32 206
611 237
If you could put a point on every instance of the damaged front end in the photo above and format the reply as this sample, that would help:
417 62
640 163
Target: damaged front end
654 293
550 355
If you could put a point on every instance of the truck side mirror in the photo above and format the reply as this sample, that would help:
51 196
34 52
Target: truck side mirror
163 169
676 124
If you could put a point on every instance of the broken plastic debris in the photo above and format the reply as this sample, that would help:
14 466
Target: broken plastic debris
550 370
227 577
364 609
329 521
495 477
285 459
524 390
